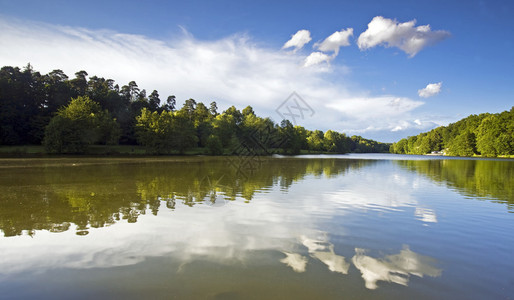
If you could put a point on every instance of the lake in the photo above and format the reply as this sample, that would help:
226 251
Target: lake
358 226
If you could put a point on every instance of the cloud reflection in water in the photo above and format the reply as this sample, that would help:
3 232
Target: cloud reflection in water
393 268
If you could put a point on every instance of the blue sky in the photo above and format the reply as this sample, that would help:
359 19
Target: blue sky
367 83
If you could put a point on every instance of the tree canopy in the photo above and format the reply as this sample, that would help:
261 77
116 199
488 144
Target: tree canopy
488 135
67 115
79 124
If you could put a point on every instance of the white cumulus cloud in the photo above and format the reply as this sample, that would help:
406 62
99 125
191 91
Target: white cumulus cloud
298 40
405 36
331 44
430 90
336 40
316 58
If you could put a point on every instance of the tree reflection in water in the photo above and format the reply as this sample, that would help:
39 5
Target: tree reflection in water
487 179
95 193
191 195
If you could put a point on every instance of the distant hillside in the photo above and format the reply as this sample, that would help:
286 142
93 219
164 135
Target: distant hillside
489 135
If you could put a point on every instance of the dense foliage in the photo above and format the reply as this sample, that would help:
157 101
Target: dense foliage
38 109
486 134
79 124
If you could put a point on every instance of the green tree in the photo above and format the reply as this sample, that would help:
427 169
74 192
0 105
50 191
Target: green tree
170 103
155 131
189 108
23 111
256 132
495 134
78 125
58 90
235 113
248 111
79 84
224 127
315 140
411 144
184 133
203 123
213 109
487 136
400 147
213 145
463 144
290 137
332 141
154 101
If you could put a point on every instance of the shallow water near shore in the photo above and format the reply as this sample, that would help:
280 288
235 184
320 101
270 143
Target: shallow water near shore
370 226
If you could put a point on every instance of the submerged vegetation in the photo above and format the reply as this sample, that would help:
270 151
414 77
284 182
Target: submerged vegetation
71 115
488 135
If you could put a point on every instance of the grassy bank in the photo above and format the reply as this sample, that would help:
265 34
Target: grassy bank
108 150
38 150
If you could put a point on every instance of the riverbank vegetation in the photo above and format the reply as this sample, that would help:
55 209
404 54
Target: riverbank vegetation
75 115
488 135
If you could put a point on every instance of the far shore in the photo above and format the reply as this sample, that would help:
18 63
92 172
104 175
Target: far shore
38 151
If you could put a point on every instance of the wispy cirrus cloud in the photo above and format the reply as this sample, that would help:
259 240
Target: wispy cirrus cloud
384 106
391 113
233 70
406 36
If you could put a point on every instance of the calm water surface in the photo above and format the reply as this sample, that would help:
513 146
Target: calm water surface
311 227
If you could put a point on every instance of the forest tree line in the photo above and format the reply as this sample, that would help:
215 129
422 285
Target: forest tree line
68 115
488 135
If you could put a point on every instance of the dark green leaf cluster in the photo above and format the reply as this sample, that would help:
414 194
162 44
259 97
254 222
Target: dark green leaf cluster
488 135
